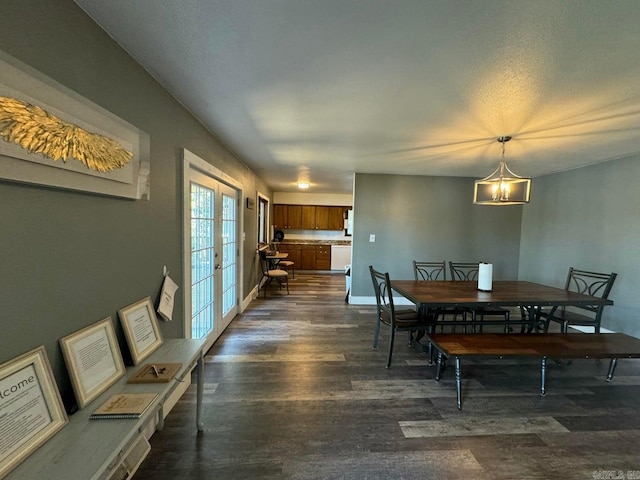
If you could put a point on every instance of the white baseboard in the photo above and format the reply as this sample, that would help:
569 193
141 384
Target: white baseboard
590 329
397 300
248 299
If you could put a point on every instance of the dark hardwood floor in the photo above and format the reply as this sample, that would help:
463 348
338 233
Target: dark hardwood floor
294 391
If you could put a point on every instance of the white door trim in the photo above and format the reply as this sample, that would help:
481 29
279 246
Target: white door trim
192 161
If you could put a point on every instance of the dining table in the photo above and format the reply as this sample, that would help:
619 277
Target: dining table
275 258
436 296
430 296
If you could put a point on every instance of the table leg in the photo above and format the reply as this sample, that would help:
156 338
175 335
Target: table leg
543 375
160 424
458 384
200 376
439 367
533 312
612 369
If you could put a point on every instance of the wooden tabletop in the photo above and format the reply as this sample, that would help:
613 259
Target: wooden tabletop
505 293
557 345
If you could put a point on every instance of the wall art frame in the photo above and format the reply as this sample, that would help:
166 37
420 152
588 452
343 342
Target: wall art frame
141 329
30 102
31 402
93 360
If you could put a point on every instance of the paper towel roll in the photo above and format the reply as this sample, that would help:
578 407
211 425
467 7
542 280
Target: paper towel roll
485 274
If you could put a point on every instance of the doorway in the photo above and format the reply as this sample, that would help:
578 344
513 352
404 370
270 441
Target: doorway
211 255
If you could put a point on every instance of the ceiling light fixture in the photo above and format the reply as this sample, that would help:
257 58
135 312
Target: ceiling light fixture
502 187
303 185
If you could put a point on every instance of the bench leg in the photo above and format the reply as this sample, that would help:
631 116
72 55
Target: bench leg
458 384
439 367
612 369
543 375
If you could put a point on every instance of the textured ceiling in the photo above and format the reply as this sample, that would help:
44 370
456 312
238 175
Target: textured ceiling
319 89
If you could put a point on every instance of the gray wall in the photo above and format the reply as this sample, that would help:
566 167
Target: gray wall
428 218
70 259
588 218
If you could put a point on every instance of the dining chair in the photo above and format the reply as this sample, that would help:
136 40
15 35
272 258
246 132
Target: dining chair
431 271
269 273
468 272
284 263
408 320
288 265
423 271
588 283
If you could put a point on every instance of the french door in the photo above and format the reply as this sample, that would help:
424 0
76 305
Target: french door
213 260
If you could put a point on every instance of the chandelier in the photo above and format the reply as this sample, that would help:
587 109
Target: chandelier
502 187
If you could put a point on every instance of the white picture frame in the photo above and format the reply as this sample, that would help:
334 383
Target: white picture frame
20 82
31 402
141 329
93 360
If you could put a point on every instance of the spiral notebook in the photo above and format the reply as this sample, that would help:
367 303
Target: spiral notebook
124 405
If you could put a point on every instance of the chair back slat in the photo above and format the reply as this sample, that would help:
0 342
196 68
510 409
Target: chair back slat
384 297
264 261
590 283
464 271
424 271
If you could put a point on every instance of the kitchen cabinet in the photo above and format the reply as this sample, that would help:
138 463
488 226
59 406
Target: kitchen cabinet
287 216
323 257
322 218
308 257
336 218
308 217
280 216
315 257
294 251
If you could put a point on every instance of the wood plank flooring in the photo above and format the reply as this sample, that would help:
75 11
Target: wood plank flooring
294 391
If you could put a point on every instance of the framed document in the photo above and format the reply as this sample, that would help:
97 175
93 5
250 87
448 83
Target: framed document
31 410
93 360
141 330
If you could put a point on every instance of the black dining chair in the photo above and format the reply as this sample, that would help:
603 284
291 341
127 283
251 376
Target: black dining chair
468 272
408 320
588 283
270 273
433 271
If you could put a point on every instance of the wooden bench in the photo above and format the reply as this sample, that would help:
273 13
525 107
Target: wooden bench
543 345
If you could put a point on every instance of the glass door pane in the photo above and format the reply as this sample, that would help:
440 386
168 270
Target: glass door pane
229 254
202 260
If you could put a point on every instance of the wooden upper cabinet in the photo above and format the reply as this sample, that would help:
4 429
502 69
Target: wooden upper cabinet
308 217
336 218
322 218
287 216
295 217
280 216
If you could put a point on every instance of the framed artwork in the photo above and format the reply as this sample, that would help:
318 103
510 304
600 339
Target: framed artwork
93 360
50 135
141 330
31 409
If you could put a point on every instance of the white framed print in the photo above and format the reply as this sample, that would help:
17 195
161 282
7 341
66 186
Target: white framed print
31 409
141 329
93 360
